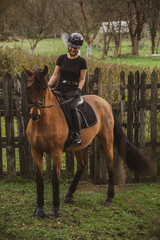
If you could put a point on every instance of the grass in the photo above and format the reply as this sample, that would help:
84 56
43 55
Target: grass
45 47
134 215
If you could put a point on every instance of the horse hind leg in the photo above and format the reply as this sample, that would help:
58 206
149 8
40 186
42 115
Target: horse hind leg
54 213
107 144
81 162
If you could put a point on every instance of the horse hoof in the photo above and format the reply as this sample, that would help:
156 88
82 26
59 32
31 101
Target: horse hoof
39 213
54 213
108 202
68 199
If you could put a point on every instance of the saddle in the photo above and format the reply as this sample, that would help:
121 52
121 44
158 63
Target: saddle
86 113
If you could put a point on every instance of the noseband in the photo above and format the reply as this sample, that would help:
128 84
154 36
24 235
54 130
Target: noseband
36 103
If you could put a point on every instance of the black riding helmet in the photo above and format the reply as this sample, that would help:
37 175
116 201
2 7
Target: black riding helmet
75 40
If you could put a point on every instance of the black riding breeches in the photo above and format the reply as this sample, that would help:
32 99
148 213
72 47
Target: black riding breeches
75 115
73 104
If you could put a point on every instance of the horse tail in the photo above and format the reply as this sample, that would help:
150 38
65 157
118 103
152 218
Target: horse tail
132 156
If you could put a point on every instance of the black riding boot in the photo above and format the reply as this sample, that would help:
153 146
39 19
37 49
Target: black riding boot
76 141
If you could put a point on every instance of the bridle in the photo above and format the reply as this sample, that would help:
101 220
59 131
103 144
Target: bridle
40 105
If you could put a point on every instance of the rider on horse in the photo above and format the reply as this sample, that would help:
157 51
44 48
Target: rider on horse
71 71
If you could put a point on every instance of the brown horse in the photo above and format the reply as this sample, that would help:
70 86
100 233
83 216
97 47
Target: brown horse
47 131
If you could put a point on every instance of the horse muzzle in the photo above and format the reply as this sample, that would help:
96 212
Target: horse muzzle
34 118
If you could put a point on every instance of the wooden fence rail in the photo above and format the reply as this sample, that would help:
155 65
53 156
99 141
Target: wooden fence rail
131 110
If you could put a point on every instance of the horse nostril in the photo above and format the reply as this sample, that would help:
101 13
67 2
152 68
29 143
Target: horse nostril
34 118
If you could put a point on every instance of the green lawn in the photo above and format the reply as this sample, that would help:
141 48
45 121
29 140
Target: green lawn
45 47
135 213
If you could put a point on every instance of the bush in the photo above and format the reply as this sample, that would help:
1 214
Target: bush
12 60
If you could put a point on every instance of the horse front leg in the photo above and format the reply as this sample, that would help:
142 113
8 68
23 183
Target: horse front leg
55 188
81 162
39 212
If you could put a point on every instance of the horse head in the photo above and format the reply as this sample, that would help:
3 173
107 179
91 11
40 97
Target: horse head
36 88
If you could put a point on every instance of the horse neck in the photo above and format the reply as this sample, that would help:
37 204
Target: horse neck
50 99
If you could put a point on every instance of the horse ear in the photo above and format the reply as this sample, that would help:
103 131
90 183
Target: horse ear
45 70
29 72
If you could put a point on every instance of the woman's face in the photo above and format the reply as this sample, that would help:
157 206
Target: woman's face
73 51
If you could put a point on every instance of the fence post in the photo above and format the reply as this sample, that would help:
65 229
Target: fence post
120 172
48 165
130 107
99 156
154 119
96 146
136 109
85 171
9 124
109 92
25 113
136 114
85 89
69 164
130 116
18 107
102 157
1 163
143 111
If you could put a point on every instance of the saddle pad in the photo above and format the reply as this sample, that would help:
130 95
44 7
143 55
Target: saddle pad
88 115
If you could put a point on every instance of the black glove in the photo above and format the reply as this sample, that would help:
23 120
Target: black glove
77 92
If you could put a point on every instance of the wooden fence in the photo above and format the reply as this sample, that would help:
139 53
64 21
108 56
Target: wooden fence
133 109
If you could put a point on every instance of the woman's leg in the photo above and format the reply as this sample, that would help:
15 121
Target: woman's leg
76 122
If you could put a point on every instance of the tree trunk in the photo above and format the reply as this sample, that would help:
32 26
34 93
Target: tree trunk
153 44
157 45
64 37
89 50
153 32
106 42
104 45
116 40
120 45
135 45
32 49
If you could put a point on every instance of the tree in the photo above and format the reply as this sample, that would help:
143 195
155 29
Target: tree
154 13
107 36
37 20
137 12
8 16
83 16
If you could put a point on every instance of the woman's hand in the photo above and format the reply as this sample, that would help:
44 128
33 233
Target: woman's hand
77 92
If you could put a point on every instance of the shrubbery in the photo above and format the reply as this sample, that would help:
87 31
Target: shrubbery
12 60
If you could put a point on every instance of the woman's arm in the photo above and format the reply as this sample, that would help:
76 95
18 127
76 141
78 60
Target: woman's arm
54 76
82 78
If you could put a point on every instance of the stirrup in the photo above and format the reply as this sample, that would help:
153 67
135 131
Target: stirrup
77 141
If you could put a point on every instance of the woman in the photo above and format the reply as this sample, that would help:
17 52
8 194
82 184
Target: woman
71 70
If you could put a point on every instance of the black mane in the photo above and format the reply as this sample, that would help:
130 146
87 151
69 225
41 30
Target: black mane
39 79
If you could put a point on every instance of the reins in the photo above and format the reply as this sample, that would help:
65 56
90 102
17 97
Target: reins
39 104
55 105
